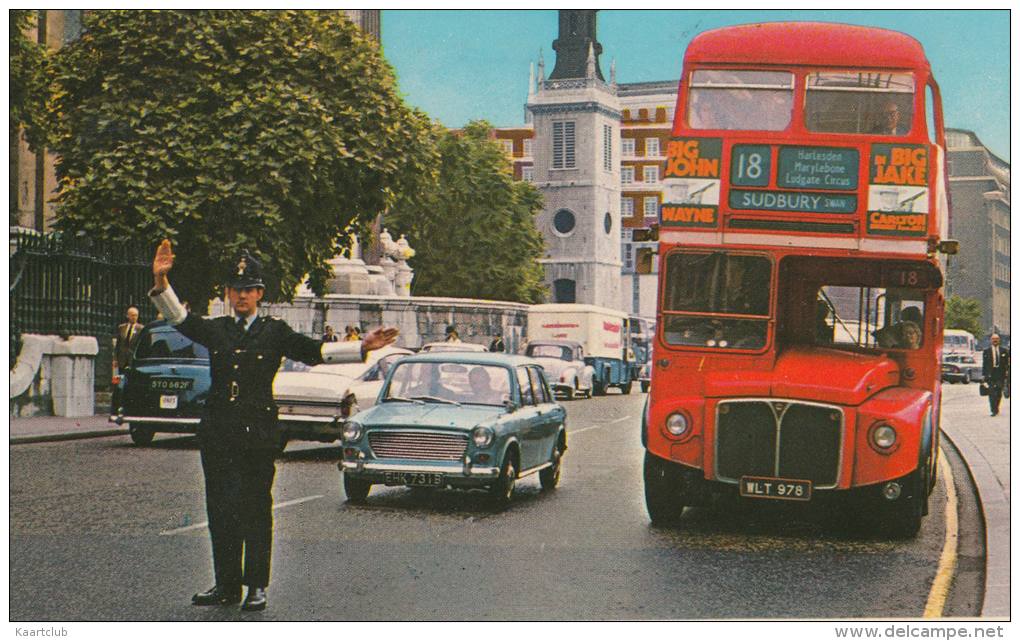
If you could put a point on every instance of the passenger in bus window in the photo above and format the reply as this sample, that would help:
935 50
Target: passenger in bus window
890 122
910 335
895 335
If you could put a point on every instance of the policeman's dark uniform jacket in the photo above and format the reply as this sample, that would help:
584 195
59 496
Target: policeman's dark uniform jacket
238 432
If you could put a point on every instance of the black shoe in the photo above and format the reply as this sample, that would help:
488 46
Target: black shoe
256 600
217 595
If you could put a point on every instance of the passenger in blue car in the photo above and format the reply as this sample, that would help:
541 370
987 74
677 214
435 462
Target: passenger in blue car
238 432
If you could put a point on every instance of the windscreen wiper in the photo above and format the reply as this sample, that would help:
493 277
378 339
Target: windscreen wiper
436 399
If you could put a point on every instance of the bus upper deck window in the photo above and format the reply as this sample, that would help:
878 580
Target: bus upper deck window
860 102
742 100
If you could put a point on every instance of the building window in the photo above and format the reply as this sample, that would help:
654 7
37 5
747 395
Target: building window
607 147
651 206
564 222
627 147
608 222
626 207
564 291
527 147
626 175
628 256
651 146
651 174
563 145
528 174
508 147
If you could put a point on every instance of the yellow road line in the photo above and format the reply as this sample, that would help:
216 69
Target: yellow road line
947 562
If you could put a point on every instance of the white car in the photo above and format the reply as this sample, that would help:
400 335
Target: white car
315 400
444 346
563 362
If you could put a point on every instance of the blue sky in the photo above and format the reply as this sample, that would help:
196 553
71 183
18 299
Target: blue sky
461 65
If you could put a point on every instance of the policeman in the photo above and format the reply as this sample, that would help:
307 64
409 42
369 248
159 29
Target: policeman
238 433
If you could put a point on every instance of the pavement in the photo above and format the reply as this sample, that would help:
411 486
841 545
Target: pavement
982 440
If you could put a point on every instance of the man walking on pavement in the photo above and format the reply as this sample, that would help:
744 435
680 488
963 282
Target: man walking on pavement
238 434
126 339
995 368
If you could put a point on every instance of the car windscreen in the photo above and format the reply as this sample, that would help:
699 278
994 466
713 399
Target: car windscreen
740 100
550 351
448 383
166 342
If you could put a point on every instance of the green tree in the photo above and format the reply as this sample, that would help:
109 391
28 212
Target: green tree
476 222
964 313
28 80
274 131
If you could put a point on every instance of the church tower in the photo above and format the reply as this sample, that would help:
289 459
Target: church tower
576 118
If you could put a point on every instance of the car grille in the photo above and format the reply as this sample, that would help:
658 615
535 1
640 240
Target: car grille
428 446
783 439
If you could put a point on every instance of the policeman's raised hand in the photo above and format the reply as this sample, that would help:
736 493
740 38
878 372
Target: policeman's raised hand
379 337
162 263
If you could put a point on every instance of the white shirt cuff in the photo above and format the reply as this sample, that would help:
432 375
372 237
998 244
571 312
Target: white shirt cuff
169 305
342 352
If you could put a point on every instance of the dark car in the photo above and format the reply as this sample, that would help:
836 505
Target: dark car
165 387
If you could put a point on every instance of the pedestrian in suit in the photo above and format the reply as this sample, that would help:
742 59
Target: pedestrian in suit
995 368
238 434
126 340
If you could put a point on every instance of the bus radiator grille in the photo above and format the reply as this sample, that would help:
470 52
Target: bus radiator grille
784 439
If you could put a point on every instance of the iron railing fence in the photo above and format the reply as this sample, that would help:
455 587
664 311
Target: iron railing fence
74 285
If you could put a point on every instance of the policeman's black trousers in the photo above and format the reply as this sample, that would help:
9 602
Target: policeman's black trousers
239 502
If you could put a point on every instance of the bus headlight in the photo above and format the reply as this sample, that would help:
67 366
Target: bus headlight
482 436
677 424
883 437
353 431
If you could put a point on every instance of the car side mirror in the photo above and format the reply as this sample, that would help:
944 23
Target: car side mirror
510 406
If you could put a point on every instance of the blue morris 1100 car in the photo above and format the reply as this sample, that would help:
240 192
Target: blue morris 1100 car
464 420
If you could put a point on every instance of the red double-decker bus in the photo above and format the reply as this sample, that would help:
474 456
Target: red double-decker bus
800 291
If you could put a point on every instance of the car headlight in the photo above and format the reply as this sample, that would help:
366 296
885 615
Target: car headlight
482 436
353 431
677 424
883 437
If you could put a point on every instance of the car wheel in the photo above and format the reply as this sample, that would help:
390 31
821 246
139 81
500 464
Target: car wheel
663 492
356 489
644 386
569 394
967 379
598 388
550 476
141 435
626 388
503 489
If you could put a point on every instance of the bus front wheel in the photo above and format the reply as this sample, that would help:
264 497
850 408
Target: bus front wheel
663 491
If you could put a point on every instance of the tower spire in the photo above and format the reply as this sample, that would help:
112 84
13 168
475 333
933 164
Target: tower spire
531 79
577 39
